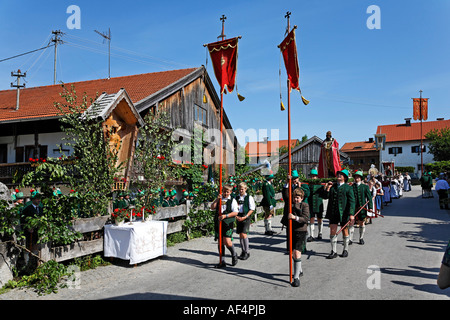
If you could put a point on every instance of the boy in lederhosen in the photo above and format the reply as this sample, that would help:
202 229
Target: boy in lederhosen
362 195
230 210
315 201
299 217
340 209
295 183
247 206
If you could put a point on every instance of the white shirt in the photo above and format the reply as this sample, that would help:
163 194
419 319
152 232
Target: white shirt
251 203
234 205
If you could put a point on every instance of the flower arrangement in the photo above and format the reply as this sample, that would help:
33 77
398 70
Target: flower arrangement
119 215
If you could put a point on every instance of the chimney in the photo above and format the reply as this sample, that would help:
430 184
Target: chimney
265 139
370 140
408 122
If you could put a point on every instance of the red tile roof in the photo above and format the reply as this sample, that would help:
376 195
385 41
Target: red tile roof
358 146
402 132
262 149
38 102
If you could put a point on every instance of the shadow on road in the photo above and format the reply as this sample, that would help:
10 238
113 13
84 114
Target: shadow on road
417 272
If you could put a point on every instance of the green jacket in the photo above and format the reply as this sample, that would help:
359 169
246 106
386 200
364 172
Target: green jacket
315 199
426 181
341 200
268 195
362 194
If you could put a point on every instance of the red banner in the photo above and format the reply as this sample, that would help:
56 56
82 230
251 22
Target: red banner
420 111
224 59
289 51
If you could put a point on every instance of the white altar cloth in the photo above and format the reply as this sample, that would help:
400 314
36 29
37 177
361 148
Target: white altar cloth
137 242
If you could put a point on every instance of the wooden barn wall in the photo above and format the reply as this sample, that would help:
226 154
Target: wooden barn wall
304 159
180 106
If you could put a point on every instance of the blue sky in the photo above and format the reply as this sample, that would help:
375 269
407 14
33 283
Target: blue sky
355 78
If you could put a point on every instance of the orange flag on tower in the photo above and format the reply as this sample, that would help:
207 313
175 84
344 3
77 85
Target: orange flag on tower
420 108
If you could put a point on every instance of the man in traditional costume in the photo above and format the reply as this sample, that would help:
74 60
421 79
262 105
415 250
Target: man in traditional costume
32 209
340 209
426 182
268 203
329 160
362 195
315 202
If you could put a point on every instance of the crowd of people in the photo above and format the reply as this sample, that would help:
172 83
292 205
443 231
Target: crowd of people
350 205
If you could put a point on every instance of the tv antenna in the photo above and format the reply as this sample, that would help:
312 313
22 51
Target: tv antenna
107 37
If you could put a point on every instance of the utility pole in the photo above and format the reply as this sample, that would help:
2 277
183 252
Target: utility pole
421 134
19 75
107 37
56 40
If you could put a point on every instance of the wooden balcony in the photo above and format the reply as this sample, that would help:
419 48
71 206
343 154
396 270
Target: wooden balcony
9 171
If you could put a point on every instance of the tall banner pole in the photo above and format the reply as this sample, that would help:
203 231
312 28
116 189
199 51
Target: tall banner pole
290 180
222 35
220 176
288 14
224 59
289 52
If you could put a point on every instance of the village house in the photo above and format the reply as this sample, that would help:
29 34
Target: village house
262 150
402 143
362 154
32 129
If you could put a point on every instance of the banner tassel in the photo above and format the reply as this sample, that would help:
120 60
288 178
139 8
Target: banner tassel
305 102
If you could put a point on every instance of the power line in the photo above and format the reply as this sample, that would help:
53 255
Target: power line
127 51
22 54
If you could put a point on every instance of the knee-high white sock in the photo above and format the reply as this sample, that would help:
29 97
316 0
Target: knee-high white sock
320 227
362 230
297 268
312 229
269 224
333 240
351 230
346 241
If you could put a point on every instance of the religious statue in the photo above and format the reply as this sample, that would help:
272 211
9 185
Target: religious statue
329 160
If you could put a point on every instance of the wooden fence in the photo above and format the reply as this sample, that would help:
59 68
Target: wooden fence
176 217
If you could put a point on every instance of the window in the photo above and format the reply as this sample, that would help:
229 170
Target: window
3 153
200 115
416 149
23 154
395 150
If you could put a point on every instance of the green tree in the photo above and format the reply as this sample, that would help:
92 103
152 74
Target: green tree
439 145
153 163
94 164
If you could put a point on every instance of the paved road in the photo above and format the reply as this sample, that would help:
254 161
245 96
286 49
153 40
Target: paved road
400 260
